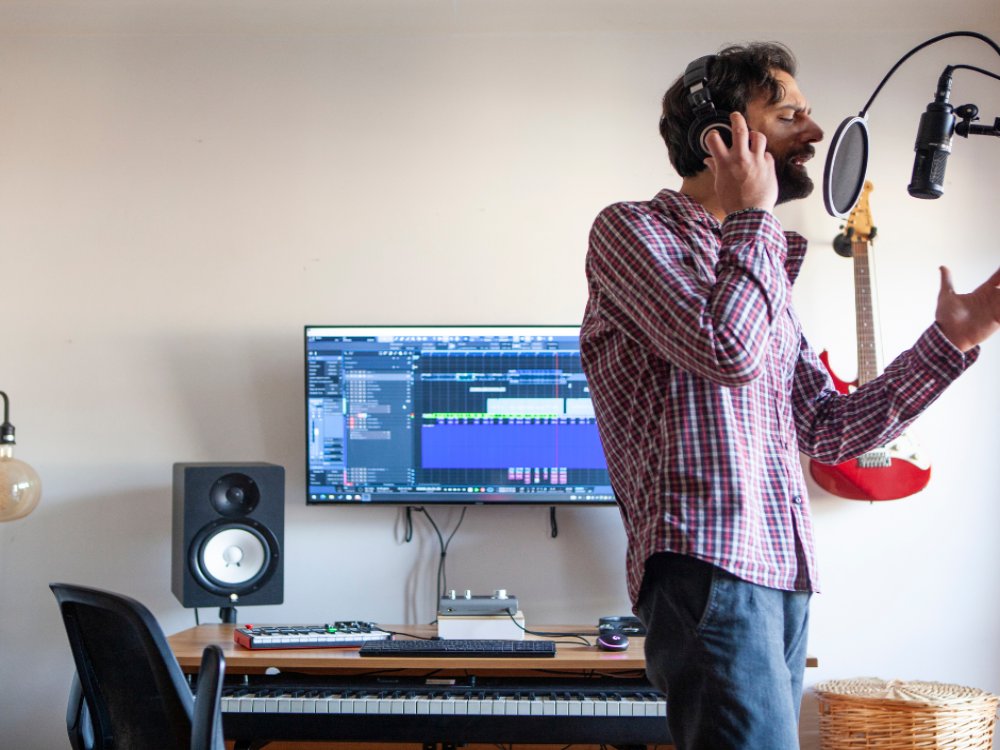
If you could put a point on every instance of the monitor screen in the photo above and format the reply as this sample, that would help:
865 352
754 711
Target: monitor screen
420 415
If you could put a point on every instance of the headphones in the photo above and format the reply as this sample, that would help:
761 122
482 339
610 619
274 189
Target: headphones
627 624
706 117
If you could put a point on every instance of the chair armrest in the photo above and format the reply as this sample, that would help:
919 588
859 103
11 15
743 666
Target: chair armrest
81 733
206 729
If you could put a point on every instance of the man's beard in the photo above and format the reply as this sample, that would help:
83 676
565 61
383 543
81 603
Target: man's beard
793 180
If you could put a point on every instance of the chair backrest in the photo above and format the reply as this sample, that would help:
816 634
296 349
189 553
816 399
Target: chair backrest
135 691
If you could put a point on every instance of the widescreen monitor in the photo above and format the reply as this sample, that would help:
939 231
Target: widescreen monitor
424 415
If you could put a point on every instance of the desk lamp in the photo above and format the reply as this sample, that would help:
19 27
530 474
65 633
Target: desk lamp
20 487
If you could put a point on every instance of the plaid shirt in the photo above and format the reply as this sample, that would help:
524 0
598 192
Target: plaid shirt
705 389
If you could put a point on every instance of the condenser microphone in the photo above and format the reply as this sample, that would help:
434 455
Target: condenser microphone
933 144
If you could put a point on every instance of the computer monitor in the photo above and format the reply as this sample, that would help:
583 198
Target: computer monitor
424 415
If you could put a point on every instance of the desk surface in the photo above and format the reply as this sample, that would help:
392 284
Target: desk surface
187 646
570 656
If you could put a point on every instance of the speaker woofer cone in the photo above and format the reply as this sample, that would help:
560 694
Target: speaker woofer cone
234 558
234 495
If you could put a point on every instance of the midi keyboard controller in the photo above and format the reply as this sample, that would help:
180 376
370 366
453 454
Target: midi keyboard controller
342 634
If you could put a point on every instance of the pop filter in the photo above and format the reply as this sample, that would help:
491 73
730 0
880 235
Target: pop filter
846 167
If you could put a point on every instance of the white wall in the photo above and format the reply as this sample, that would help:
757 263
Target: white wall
174 207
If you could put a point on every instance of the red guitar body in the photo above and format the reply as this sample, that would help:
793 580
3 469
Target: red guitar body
894 472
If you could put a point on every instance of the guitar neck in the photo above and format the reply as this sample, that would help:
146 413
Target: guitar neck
864 311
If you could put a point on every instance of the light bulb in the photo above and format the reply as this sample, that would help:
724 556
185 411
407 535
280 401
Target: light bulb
20 487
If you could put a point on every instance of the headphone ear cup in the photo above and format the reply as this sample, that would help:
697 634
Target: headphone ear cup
701 128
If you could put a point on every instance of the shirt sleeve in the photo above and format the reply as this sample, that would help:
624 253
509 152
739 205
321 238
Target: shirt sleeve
834 427
653 284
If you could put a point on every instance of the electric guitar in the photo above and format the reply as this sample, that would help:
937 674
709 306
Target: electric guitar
897 470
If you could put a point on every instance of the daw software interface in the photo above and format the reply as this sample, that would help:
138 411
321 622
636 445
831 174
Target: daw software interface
422 415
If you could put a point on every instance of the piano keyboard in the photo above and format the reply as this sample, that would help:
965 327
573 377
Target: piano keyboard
460 701
614 711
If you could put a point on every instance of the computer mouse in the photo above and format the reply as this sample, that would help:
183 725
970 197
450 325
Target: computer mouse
612 641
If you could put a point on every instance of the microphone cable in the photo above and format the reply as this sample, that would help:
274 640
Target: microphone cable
928 43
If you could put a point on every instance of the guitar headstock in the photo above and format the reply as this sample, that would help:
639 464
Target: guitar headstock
859 224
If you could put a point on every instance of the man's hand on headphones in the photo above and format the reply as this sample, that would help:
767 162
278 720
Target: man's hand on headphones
744 174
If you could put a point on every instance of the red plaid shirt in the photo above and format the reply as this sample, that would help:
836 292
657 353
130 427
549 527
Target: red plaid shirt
706 390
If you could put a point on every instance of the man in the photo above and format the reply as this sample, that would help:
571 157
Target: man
705 392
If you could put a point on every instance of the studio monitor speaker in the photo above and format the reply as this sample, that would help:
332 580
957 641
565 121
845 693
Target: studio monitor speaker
228 530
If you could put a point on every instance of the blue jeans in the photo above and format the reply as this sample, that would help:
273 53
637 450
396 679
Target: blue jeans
729 654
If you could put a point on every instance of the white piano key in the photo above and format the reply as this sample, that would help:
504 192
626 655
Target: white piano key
625 707
639 706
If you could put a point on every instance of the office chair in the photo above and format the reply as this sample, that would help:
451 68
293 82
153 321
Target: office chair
129 691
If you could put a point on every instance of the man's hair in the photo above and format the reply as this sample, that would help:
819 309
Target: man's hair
736 75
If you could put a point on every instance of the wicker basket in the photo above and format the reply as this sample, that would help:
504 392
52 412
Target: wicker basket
869 713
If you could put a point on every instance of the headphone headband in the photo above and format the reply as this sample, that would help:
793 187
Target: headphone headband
696 82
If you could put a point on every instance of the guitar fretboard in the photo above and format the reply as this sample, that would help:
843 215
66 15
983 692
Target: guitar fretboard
864 311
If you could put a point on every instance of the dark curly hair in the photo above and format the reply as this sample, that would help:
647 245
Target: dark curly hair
736 75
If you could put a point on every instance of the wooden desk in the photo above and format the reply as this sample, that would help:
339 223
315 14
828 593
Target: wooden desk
311 669
570 656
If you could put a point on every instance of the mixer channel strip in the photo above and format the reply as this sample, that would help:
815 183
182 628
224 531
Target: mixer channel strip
341 634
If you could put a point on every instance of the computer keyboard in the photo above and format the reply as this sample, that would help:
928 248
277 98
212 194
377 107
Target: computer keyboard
460 647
